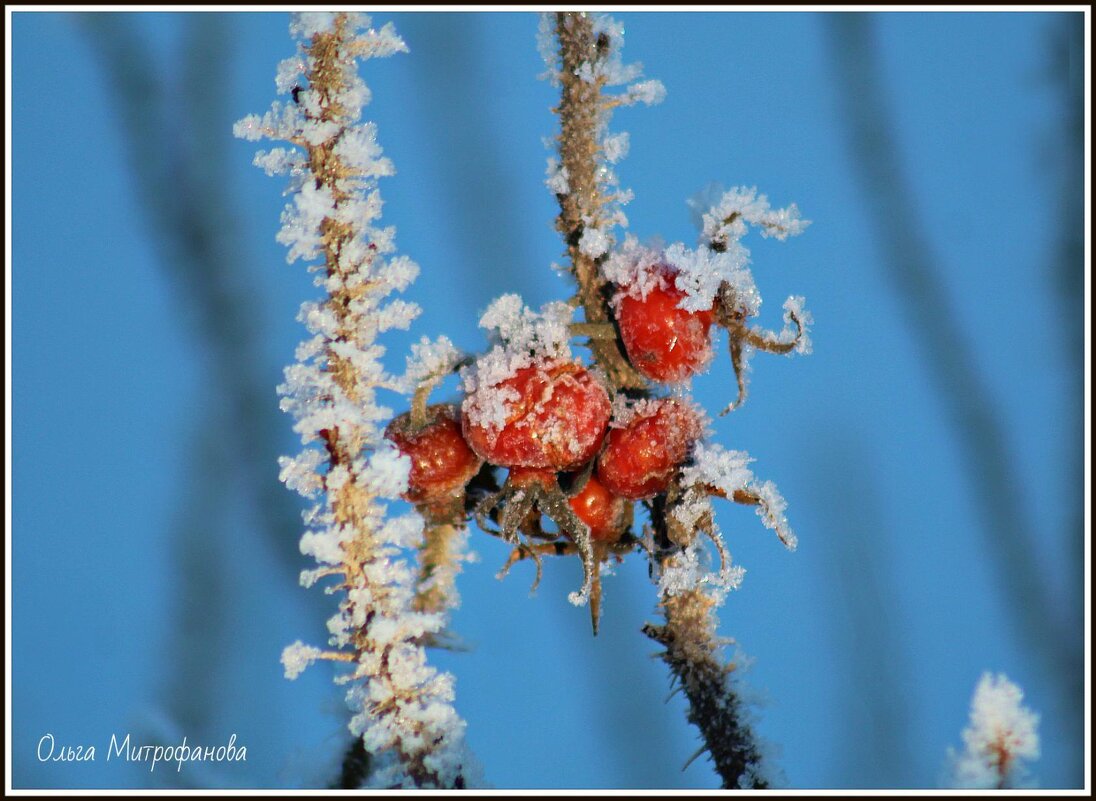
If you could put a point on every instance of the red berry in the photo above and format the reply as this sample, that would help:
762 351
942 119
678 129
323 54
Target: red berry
640 456
663 342
600 509
441 461
552 416
525 477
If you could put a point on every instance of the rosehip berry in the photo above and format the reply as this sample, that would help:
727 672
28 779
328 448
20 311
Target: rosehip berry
601 510
664 342
641 455
526 477
441 461
551 416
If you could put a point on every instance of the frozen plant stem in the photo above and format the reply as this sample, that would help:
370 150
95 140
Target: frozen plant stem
580 110
692 646
439 563
689 634
404 714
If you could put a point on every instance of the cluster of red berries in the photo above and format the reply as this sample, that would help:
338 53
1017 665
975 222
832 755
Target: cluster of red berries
556 420
559 423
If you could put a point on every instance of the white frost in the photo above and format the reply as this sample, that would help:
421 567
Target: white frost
521 339
546 46
557 177
727 471
298 656
728 217
429 359
1002 736
615 146
386 472
687 571
795 307
594 242
649 93
699 273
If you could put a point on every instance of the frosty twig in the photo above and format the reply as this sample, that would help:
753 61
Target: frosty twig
1003 736
691 652
403 707
648 314
582 205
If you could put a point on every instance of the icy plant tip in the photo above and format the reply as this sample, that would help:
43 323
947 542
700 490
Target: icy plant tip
402 707
1001 738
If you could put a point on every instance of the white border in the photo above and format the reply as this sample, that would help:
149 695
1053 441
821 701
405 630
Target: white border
9 10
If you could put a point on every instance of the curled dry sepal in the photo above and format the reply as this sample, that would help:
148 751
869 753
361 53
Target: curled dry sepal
1002 736
402 707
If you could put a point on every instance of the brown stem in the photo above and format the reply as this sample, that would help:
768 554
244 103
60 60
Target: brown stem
766 340
352 506
691 653
593 330
439 563
689 634
579 110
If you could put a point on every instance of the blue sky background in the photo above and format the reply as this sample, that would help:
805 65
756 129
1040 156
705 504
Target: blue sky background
154 555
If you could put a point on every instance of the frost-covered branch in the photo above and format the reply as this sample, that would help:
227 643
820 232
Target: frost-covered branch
403 707
693 655
647 315
690 594
581 179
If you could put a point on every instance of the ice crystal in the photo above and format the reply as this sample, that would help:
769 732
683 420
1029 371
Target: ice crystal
795 306
297 657
688 571
429 359
546 46
615 146
727 217
595 242
557 177
522 338
650 93
698 273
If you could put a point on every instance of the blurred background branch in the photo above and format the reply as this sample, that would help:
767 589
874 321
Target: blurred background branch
1063 154
876 711
176 143
1066 52
177 150
912 264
